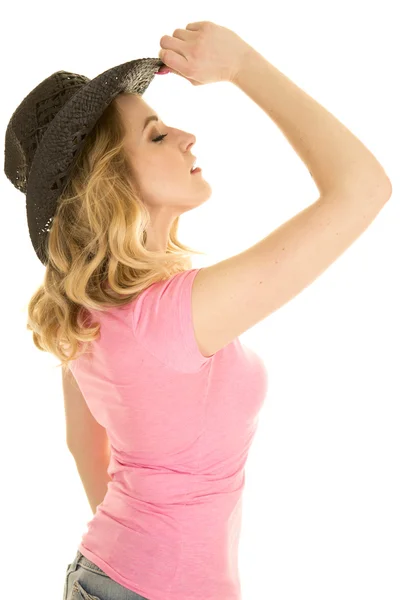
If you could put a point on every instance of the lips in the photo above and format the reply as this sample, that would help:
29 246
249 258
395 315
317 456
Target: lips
193 163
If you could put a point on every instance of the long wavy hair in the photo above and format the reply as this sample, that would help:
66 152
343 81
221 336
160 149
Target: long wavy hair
96 246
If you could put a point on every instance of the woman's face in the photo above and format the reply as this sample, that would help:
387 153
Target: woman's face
162 167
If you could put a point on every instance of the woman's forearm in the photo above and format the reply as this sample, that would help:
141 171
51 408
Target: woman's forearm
336 159
92 468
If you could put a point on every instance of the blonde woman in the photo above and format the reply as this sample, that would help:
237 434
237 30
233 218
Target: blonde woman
156 382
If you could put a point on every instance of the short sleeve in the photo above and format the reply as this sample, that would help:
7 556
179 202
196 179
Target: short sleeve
162 323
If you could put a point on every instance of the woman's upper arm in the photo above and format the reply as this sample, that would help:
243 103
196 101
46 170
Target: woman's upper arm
82 429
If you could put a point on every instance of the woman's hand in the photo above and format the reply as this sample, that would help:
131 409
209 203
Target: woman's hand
203 53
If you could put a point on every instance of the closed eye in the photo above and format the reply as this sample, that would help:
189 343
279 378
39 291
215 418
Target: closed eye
160 138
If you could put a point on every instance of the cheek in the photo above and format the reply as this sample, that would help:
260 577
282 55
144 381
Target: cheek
161 185
170 174
162 179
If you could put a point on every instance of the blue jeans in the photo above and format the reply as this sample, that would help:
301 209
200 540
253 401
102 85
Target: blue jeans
86 581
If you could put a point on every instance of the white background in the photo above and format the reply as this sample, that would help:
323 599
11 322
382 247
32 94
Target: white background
321 502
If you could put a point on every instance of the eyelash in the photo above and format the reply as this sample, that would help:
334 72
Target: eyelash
160 138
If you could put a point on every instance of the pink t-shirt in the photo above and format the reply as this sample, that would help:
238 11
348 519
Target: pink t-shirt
180 427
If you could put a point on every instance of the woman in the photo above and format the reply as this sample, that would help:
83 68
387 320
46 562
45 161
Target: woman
150 344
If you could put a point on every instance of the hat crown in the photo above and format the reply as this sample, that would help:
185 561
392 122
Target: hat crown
30 121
